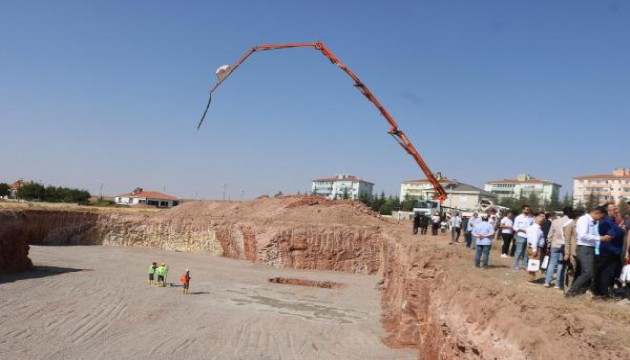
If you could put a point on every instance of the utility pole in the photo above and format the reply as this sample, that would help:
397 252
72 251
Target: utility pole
224 188
101 189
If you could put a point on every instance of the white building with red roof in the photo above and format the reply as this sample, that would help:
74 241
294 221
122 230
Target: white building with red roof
149 198
614 186
422 189
342 185
523 186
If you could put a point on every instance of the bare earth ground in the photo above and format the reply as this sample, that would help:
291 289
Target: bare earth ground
92 302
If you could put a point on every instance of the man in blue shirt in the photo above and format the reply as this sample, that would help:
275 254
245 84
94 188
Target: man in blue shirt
483 232
607 263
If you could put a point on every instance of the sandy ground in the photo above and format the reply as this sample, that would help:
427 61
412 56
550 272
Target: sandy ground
93 302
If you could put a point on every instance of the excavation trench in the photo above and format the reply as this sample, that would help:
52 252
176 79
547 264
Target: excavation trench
364 249
429 301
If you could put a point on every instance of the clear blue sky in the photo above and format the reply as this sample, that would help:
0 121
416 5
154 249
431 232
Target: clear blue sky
111 92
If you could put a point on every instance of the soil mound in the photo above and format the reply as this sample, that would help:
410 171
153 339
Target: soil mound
293 208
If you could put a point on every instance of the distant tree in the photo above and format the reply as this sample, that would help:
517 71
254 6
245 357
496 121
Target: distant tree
345 195
554 202
511 203
314 192
591 202
4 189
30 191
389 205
279 193
534 202
364 197
408 203
375 203
567 200
623 207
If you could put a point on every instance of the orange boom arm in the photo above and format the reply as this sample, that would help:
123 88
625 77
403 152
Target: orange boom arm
396 133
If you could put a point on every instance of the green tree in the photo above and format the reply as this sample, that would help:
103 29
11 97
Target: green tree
407 204
4 189
511 203
534 202
345 195
554 202
591 202
623 207
389 205
567 201
30 191
364 198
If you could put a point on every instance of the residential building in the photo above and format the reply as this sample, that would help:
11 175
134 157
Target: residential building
605 187
422 189
150 198
14 187
523 186
341 185
459 195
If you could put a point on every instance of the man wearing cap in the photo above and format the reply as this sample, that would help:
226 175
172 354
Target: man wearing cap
483 232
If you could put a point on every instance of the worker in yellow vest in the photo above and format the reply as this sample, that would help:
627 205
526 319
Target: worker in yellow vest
162 272
152 270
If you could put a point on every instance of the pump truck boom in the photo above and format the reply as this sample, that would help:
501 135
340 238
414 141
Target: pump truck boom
401 138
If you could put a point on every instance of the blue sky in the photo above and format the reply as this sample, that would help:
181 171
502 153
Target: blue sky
111 92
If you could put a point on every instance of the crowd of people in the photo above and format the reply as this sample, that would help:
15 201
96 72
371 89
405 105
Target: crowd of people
162 272
576 251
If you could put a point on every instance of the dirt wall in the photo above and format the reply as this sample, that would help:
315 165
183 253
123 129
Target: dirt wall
13 244
432 299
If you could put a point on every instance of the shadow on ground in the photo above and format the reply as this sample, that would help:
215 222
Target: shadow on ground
38 272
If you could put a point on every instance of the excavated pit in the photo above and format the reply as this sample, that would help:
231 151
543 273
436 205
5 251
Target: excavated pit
431 300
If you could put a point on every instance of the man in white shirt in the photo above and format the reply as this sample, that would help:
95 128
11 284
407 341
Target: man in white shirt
483 234
521 223
436 219
456 223
556 250
587 238
507 233
474 220
535 239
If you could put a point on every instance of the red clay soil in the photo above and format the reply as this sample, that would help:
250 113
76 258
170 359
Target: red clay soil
433 300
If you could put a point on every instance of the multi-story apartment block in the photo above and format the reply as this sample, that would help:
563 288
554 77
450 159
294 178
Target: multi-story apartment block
523 186
341 185
604 187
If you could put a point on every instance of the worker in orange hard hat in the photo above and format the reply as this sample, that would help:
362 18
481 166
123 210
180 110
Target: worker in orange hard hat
185 280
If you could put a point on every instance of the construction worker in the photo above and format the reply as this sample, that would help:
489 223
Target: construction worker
185 280
152 269
162 271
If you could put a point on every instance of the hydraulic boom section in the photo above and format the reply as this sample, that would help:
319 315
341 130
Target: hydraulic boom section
394 131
